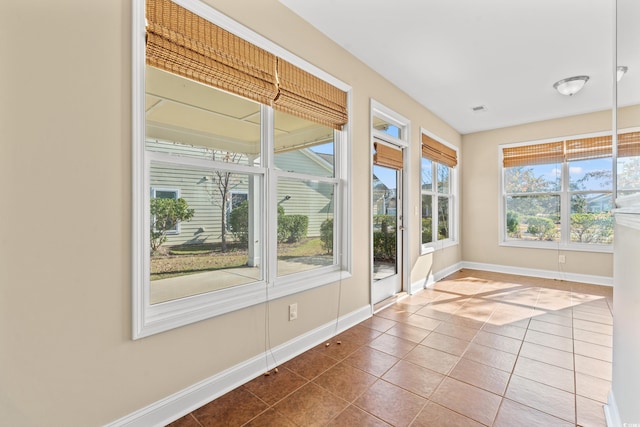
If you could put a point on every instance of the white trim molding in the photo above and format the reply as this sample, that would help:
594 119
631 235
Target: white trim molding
611 414
544 274
432 278
193 397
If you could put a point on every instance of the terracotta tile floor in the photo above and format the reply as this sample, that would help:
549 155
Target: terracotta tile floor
477 349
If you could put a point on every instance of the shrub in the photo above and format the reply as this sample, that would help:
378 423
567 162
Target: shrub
592 227
541 227
384 245
166 214
384 222
292 228
326 235
427 232
239 222
513 222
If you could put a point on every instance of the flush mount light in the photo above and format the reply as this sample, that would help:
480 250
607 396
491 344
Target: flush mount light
621 71
570 86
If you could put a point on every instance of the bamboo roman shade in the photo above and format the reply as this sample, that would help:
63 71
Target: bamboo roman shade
629 144
438 152
596 147
304 95
387 156
536 154
588 148
183 43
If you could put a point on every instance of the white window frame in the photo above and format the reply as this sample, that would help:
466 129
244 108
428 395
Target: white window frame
454 202
154 191
565 204
150 319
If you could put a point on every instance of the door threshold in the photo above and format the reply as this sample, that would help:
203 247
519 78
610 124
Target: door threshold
388 301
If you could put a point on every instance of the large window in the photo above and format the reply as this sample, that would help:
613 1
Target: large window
438 190
559 194
246 169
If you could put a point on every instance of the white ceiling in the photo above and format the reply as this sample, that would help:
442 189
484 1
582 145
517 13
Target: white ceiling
454 55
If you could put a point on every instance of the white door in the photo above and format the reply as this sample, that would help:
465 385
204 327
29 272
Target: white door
387 229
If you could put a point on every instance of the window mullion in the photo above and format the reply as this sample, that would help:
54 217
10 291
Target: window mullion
270 200
434 203
565 206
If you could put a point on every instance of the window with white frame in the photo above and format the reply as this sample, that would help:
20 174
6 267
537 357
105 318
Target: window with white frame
258 164
438 189
559 193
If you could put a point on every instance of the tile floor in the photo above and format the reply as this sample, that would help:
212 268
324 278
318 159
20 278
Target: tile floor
477 349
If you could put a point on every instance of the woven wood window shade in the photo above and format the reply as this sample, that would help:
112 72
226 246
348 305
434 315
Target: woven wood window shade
183 43
305 95
536 154
387 156
438 152
629 144
588 148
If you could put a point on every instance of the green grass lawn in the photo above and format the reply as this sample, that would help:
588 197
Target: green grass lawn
179 260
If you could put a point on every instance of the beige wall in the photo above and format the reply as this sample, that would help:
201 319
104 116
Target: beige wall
66 357
481 194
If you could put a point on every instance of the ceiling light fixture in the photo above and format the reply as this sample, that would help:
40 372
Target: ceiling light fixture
621 71
571 85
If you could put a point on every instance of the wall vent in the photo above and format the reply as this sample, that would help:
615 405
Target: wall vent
479 109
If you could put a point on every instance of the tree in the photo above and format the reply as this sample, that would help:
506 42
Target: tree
166 214
219 192
592 227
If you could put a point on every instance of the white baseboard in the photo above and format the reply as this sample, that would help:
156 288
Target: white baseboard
546 274
507 269
611 414
432 278
181 403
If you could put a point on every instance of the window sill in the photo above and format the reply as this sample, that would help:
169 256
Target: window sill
432 247
556 246
168 315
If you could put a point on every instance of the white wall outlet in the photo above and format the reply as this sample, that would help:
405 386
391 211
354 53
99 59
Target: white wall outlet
293 311
562 259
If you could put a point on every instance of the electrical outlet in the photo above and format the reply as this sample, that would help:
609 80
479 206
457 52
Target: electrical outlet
293 311
562 259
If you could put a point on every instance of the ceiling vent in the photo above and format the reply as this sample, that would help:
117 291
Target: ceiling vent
479 109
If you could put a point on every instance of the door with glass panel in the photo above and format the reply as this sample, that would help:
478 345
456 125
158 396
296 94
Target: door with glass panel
387 228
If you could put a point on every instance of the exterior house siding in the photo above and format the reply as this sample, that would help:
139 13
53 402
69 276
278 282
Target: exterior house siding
310 198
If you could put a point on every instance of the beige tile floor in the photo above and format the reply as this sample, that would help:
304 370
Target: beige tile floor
477 349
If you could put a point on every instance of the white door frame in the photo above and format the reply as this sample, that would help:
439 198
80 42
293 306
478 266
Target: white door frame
380 111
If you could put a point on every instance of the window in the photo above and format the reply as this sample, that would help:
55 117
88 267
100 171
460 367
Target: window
255 162
559 194
438 190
